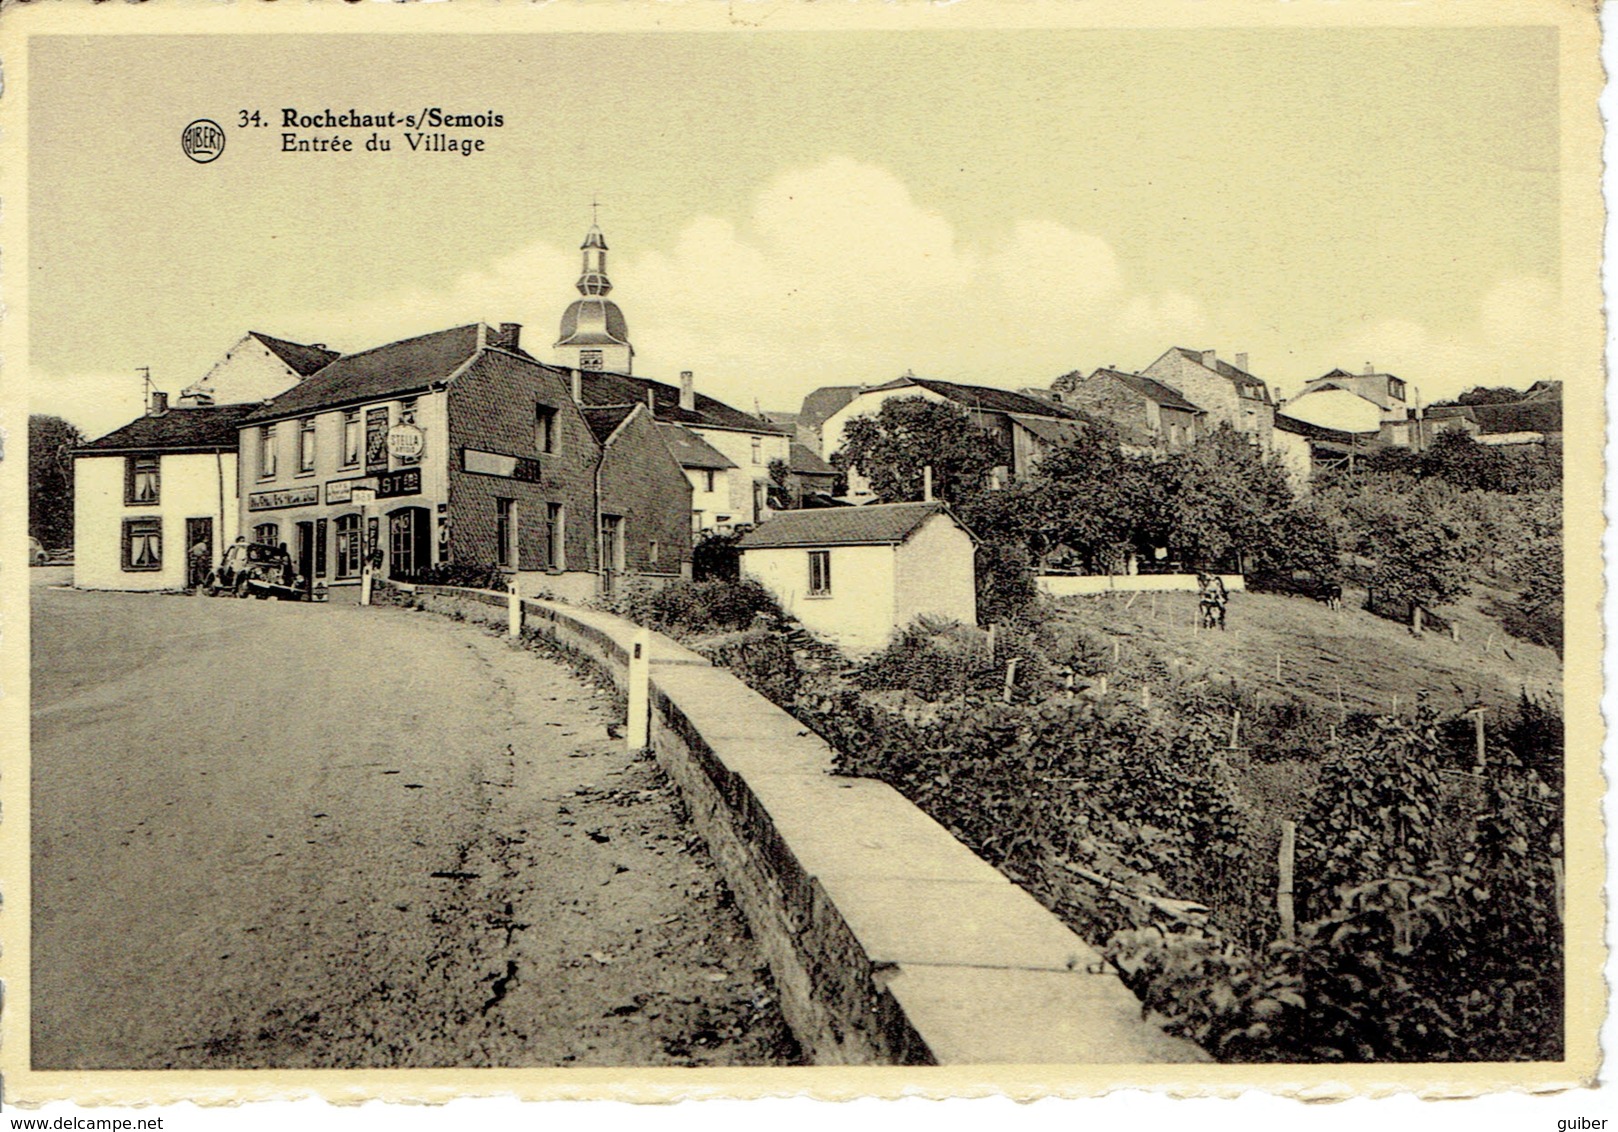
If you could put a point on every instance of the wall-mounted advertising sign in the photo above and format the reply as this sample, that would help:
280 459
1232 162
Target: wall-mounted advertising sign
376 440
405 482
285 497
341 491
406 442
524 468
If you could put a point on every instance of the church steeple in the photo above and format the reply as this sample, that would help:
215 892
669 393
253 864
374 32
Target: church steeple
593 278
594 335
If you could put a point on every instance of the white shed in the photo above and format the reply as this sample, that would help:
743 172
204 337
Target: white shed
855 574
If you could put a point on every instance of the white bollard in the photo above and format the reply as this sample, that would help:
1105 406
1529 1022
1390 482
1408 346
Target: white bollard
365 585
637 729
513 611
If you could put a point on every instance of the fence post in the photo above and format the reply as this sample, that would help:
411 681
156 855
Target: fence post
637 729
1011 679
1477 715
1235 728
513 611
1283 887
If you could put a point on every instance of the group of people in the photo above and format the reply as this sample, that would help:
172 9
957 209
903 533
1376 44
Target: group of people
1212 597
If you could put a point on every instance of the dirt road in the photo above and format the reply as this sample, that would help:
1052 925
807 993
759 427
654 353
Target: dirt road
279 835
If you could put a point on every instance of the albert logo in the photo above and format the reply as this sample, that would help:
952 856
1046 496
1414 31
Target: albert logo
203 140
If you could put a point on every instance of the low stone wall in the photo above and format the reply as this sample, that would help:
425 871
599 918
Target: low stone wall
1088 585
890 942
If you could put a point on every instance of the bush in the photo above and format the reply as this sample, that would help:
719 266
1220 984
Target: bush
714 557
685 608
489 577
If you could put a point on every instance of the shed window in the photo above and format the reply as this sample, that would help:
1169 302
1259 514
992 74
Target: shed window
143 544
819 573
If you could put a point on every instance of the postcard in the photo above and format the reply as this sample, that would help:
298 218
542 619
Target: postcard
655 551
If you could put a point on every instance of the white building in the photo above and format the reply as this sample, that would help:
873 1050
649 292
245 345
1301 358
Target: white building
257 368
854 575
147 493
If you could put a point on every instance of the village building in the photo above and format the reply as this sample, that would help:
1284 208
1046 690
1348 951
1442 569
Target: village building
1148 413
257 368
818 405
854 575
1226 393
478 455
1364 403
1026 427
711 473
154 497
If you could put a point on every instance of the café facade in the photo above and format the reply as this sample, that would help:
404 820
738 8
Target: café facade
458 448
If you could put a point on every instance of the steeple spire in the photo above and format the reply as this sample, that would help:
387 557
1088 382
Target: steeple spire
593 277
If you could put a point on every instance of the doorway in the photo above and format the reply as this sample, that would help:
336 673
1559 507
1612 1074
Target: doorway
305 551
198 550
409 542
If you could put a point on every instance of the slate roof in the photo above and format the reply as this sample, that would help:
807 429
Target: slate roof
690 450
604 419
1152 389
987 398
879 524
821 403
209 428
807 463
1052 432
408 366
300 359
622 389
1314 431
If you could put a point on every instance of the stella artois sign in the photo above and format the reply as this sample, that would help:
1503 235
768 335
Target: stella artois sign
405 442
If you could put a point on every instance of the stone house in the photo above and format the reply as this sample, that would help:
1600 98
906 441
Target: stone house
1227 393
1148 413
479 455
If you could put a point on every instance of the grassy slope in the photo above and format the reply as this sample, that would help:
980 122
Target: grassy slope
1372 659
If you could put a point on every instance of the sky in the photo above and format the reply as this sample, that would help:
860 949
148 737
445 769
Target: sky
795 209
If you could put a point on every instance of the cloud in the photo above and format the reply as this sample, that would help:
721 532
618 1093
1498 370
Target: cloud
1512 341
836 273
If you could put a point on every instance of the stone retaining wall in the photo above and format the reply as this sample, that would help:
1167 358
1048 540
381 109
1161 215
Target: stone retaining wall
890 942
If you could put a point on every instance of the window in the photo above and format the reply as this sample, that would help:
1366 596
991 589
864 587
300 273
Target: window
306 444
1396 389
351 438
544 428
592 360
651 552
708 478
268 533
348 546
696 523
143 544
758 450
140 480
266 452
555 553
505 529
820 573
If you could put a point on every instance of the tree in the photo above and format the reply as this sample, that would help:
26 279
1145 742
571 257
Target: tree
1424 557
51 441
891 447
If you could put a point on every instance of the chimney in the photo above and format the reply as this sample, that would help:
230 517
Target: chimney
651 400
160 404
1369 369
509 334
927 483
578 387
688 391
196 397
1241 363
1210 358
